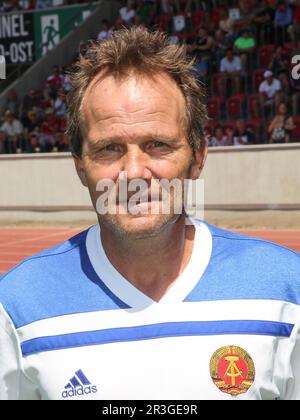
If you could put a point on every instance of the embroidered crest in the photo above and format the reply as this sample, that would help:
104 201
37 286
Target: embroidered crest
232 370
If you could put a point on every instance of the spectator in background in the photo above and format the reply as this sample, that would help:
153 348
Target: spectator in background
203 46
229 131
282 20
11 102
167 7
30 100
263 21
186 6
66 82
279 62
55 80
270 91
246 14
294 29
242 136
105 32
295 89
13 130
127 13
31 123
221 43
46 100
230 67
280 67
281 125
146 10
200 69
227 27
2 141
245 46
10 6
59 103
49 128
219 138
43 4
33 145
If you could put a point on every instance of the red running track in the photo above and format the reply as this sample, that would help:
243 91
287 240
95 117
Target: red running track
16 244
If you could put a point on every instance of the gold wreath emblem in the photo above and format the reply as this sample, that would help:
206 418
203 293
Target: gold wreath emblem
232 370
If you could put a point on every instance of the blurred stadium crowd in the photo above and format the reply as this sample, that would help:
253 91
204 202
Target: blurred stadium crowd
15 5
242 51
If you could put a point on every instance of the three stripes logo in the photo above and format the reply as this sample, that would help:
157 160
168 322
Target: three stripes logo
78 385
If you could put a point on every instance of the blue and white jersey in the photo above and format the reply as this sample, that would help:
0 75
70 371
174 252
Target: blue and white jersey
72 327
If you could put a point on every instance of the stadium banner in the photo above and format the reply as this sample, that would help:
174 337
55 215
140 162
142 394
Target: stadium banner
27 36
52 25
17 37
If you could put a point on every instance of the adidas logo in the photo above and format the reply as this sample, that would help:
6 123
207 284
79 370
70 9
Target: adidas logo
78 385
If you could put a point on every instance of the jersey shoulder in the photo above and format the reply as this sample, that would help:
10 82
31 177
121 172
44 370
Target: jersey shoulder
37 262
58 281
243 267
232 240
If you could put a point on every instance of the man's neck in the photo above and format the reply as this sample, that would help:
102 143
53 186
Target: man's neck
152 264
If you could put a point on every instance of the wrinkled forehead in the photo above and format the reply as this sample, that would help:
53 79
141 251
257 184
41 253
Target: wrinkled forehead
133 90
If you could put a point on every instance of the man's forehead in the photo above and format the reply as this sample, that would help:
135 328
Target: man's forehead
107 92
133 78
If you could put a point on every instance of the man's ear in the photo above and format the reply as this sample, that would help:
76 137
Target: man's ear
80 169
199 159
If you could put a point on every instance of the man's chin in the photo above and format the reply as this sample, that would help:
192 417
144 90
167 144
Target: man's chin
137 226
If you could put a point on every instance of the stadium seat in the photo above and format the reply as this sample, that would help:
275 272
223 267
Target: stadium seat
212 124
288 48
258 78
265 53
164 23
250 104
197 18
256 125
234 105
185 36
230 124
215 83
296 132
215 15
214 106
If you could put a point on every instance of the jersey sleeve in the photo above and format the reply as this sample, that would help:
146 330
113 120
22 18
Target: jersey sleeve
14 385
293 385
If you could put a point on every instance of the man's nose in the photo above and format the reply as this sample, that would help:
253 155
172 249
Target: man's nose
136 164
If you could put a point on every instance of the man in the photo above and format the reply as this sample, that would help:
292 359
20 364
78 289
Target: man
230 67
242 136
13 130
244 45
270 93
283 19
145 305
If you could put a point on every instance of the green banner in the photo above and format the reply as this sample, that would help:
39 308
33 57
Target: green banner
53 25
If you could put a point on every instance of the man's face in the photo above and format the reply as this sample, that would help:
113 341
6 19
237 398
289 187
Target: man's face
229 55
137 126
9 116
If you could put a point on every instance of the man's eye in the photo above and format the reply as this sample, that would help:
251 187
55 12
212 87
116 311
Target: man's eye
156 144
111 148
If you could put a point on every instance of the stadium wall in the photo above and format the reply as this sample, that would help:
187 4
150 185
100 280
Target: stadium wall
45 187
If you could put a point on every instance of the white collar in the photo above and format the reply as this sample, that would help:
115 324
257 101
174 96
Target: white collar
132 296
